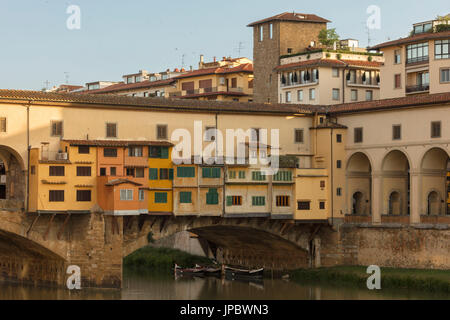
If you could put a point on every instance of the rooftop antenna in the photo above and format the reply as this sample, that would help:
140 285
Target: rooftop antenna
240 48
66 75
182 60
369 39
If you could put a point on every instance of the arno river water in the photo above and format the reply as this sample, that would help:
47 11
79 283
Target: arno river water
165 287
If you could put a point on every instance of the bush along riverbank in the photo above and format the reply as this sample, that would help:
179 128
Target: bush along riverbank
418 279
163 259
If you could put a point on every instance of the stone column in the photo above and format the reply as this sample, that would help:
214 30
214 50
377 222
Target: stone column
416 196
377 197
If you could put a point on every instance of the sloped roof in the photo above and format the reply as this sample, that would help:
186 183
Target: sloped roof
292 17
130 86
412 39
330 63
246 67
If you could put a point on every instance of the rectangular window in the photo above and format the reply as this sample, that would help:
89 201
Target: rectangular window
211 173
111 130
258 201
339 192
83 150
300 95
335 72
417 52
339 164
283 176
441 49
112 171
126 195
322 184
312 94
336 94
299 136
161 132
396 132
84 171
140 173
234 201
271 31
283 201
130 172
369 95
339 138
56 171
135 151
304 205
153 174
56 196
231 174
436 129
397 56
185 197
261 33
160 197
141 195
57 128
397 81
186 172
33 170
164 174
321 205
258 176
354 95
84 195
212 197
288 96
445 75
102 172
234 82
110 153
358 135
2 124
241 174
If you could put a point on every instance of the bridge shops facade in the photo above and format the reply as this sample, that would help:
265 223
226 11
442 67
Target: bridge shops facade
85 180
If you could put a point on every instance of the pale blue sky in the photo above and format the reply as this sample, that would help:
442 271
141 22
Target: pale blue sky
120 37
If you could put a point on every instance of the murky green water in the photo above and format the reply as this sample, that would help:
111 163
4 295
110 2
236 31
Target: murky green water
165 287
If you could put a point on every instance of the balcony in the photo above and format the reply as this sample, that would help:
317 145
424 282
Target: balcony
360 83
211 90
291 84
418 88
417 60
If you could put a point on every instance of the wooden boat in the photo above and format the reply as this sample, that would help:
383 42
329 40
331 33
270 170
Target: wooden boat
189 271
244 273
210 271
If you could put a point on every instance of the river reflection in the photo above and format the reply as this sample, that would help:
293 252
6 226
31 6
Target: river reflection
138 286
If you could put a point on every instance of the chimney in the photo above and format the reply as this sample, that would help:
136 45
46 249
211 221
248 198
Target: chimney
202 60
214 59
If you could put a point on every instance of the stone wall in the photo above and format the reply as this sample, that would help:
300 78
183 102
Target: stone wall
421 247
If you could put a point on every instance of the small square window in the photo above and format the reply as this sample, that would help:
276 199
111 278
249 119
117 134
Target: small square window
322 205
57 128
161 132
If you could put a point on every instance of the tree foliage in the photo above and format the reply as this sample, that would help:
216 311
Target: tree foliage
328 37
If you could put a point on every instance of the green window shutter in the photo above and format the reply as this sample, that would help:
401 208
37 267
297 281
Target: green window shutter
216 173
229 201
164 153
191 172
206 173
161 197
241 174
179 172
170 174
212 197
153 174
185 197
254 176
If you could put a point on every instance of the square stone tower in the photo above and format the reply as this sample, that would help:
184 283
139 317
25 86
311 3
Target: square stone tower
283 34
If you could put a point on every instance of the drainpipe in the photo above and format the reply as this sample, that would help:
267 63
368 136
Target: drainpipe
332 179
28 157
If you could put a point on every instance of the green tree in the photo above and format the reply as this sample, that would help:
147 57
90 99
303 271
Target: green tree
328 37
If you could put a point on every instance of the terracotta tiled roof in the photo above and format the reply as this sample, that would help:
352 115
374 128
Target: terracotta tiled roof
22 97
405 102
117 143
415 38
246 67
217 93
330 63
291 16
130 86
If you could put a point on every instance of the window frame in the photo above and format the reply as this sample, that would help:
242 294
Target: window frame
116 130
166 129
52 132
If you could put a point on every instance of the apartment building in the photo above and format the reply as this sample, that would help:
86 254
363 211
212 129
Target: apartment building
417 64
225 80
327 77
142 84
